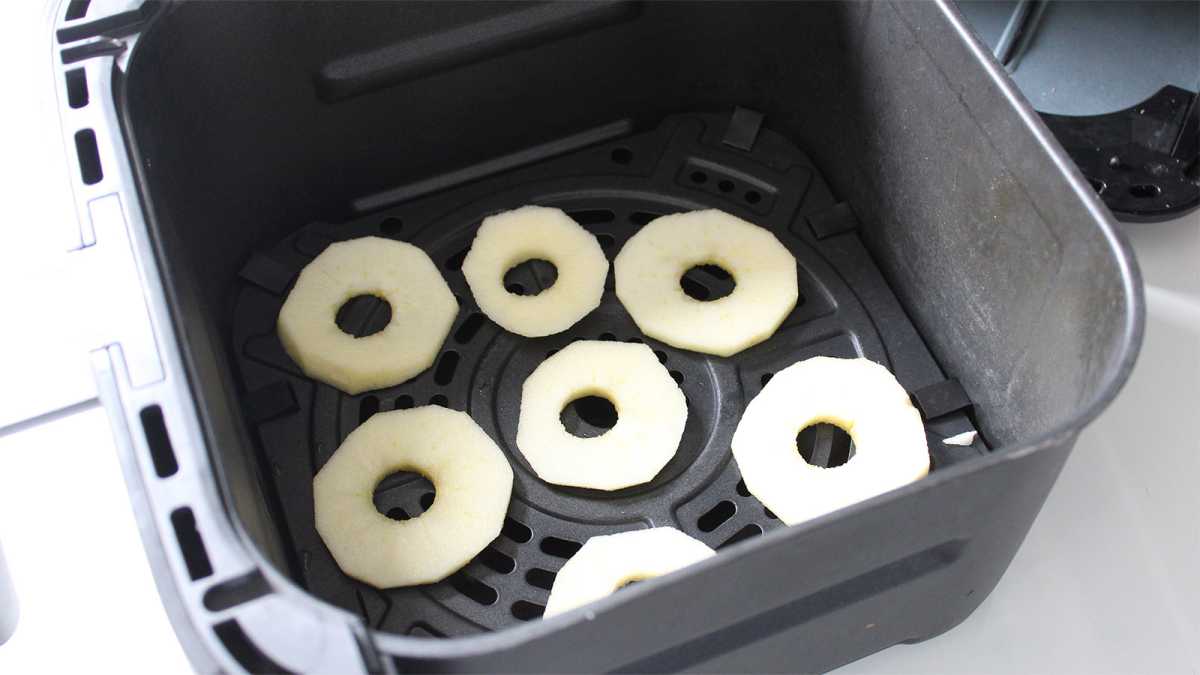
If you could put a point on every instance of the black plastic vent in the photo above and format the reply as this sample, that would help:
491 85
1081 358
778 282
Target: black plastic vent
89 157
497 561
445 368
540 578
748 532
560 548
474 589
367 407
162 455
716 516
469 328
592 216
191 545
527 611
77 89
243 650
236 591
515 531
77 9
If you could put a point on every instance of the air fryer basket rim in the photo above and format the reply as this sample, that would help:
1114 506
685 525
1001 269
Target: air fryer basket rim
489 642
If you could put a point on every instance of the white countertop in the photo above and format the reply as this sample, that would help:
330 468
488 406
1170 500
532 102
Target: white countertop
1105 583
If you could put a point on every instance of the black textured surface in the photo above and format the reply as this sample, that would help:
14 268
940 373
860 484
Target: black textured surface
845 310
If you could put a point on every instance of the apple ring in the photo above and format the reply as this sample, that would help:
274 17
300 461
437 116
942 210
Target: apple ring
608 562
861 397
423 310
535 233
651 264
470 474
651 413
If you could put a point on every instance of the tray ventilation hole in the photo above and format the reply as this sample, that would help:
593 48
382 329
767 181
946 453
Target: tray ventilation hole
640 218
527 611
439 399
677 376
606 240
540 578
592 216
404 402
474 589
516 531
662 356
469 328
369 405
446 367
742 489
748 532
716 516
699 177
766 377
622 155
497 561
560 548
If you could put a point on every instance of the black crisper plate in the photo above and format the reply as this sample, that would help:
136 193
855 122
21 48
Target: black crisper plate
689 162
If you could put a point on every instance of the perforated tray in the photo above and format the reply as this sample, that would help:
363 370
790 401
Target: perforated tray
688 162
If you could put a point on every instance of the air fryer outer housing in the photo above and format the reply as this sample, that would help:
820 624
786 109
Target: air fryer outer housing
205 132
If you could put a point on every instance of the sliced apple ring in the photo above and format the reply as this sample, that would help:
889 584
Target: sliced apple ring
861 397
471 476
650 265
608 562
651 413
508 239
423 310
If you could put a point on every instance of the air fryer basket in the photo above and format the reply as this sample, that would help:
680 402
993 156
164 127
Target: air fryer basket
936 227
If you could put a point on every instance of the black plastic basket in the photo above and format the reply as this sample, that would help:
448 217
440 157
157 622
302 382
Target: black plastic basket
937 227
